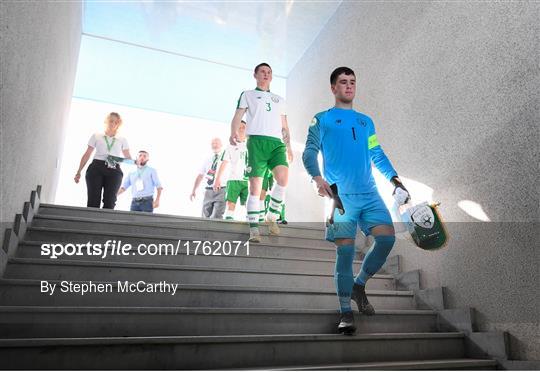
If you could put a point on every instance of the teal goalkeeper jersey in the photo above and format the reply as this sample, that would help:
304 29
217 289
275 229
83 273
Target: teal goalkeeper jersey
348 144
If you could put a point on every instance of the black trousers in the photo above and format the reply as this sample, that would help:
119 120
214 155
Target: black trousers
100 177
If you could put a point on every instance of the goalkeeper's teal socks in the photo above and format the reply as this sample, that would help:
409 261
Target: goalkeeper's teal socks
375 258
343 276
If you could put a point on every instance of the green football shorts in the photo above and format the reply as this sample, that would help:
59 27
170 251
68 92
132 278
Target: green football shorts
237 189
264 153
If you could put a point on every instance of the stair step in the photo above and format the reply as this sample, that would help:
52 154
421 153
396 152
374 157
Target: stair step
26 292
276 246
32 249
29 321
48 269
441 364
210 352
316 228
187 226
274 306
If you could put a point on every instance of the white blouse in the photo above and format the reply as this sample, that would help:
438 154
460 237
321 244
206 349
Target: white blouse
116 143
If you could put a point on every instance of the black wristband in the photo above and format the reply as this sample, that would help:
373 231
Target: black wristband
396 182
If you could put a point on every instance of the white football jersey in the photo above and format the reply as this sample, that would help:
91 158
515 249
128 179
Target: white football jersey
237 158
264 110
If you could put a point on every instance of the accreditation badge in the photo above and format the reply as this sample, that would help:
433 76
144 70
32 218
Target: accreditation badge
139 184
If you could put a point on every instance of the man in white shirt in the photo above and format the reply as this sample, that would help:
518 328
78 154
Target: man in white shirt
214 200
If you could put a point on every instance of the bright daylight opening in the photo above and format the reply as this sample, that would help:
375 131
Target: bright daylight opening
177 146
174 73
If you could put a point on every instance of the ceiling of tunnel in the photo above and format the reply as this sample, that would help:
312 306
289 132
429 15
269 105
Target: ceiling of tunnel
233 33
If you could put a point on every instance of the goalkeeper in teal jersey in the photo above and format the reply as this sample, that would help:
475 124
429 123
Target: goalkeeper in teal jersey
347 140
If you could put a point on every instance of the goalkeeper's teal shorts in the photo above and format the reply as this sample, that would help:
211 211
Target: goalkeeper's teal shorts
361 210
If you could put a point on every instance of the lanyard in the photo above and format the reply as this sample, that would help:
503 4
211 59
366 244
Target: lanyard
212 171
140 172
109 146
214 163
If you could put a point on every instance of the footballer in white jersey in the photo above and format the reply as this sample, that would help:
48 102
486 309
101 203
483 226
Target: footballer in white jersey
268 146
235 161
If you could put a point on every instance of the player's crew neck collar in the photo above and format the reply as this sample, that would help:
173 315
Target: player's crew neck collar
260 90
342 109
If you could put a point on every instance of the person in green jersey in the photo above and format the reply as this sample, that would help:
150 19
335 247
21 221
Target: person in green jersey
234 162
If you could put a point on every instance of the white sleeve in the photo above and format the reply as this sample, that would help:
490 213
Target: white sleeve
92 142
283 107
242 101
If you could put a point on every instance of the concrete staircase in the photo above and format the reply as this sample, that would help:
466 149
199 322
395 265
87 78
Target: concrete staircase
275 308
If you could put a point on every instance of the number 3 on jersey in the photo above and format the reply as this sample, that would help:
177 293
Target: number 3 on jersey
268 107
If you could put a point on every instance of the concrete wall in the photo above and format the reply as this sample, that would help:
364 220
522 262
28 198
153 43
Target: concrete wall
453 89
40 45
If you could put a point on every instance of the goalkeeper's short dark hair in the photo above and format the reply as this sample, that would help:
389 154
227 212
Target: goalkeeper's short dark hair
338 71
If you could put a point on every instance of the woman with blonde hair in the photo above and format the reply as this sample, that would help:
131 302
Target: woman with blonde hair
104 173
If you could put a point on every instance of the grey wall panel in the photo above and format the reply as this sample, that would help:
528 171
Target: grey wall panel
453 89
40 47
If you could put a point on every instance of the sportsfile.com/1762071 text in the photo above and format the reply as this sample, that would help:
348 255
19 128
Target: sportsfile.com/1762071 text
118 248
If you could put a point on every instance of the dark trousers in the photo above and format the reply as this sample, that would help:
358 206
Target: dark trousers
100 177
142 204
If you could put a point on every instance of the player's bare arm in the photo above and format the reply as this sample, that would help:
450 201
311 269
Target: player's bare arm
286 137
219 174
235 125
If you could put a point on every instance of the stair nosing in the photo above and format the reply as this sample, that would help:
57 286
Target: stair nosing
456 362
209 287
80 341
115 211
157 266
195 310
152 224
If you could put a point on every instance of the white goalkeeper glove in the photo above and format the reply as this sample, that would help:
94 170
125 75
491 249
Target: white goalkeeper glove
400 194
